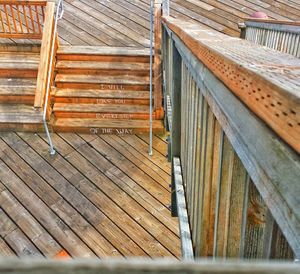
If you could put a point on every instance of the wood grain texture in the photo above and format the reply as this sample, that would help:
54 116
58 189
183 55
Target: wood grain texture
92 199
260 82
144 266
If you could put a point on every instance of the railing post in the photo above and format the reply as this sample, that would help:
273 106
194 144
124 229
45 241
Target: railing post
166 8
157 68
45 56
176 117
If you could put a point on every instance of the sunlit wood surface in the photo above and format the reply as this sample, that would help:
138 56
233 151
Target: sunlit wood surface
99 196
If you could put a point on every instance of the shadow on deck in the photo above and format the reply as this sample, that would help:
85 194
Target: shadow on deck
99 196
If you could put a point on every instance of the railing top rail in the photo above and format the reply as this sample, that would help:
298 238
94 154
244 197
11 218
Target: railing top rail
267 81
271 21
24 2
283 26
140 266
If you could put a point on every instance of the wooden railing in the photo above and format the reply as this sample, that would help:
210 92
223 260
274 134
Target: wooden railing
140 266
234 117
22 19
283 36
46 65
32 19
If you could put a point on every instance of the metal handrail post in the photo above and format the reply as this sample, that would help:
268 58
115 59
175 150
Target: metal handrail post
166 7
58 16
151 77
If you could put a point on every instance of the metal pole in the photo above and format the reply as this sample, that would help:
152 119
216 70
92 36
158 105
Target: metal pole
166 8
59 15
151 77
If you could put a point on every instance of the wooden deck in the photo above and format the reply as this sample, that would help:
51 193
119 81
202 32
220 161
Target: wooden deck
122 23
99 196
126 23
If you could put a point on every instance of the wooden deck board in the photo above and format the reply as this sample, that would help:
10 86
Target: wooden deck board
84 202
126 23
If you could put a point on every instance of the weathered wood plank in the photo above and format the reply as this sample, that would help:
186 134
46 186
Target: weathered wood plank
185 232
268 91
271 164
144 266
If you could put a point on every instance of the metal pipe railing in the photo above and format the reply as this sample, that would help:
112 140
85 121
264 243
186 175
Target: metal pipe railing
58 16
151 78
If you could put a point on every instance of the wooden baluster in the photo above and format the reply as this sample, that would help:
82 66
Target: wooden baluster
38 19
13 18
2 22
20 19
43 12
32 20
26 21
176 117
7 18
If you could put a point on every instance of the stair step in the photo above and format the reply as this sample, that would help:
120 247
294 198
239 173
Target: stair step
102 82
106 126
102 111
18 57
95 96
7 47
105 54
14 64
105 68
17 90
20 117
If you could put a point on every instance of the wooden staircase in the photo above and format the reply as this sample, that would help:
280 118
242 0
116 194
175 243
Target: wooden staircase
18 76
102 90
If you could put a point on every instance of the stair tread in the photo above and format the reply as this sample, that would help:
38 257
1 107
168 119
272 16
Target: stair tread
19 113
96 65
18 65
19 57
17 90
102 79
107 94
24 48
17 82
106 123
103 50
100 108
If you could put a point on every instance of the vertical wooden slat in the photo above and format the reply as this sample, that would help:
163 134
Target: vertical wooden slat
184 127
7 18
2 21
216 163
195 186
32 19
20 19
224 199
195 136
25 17
239 190
256 224
189 122
207 184
280 248
13 18
199 195
38 19
176 116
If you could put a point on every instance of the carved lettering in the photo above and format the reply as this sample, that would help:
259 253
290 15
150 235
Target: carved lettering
106 131
94 131
111 87
114 116
119 131
124 131
111 101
